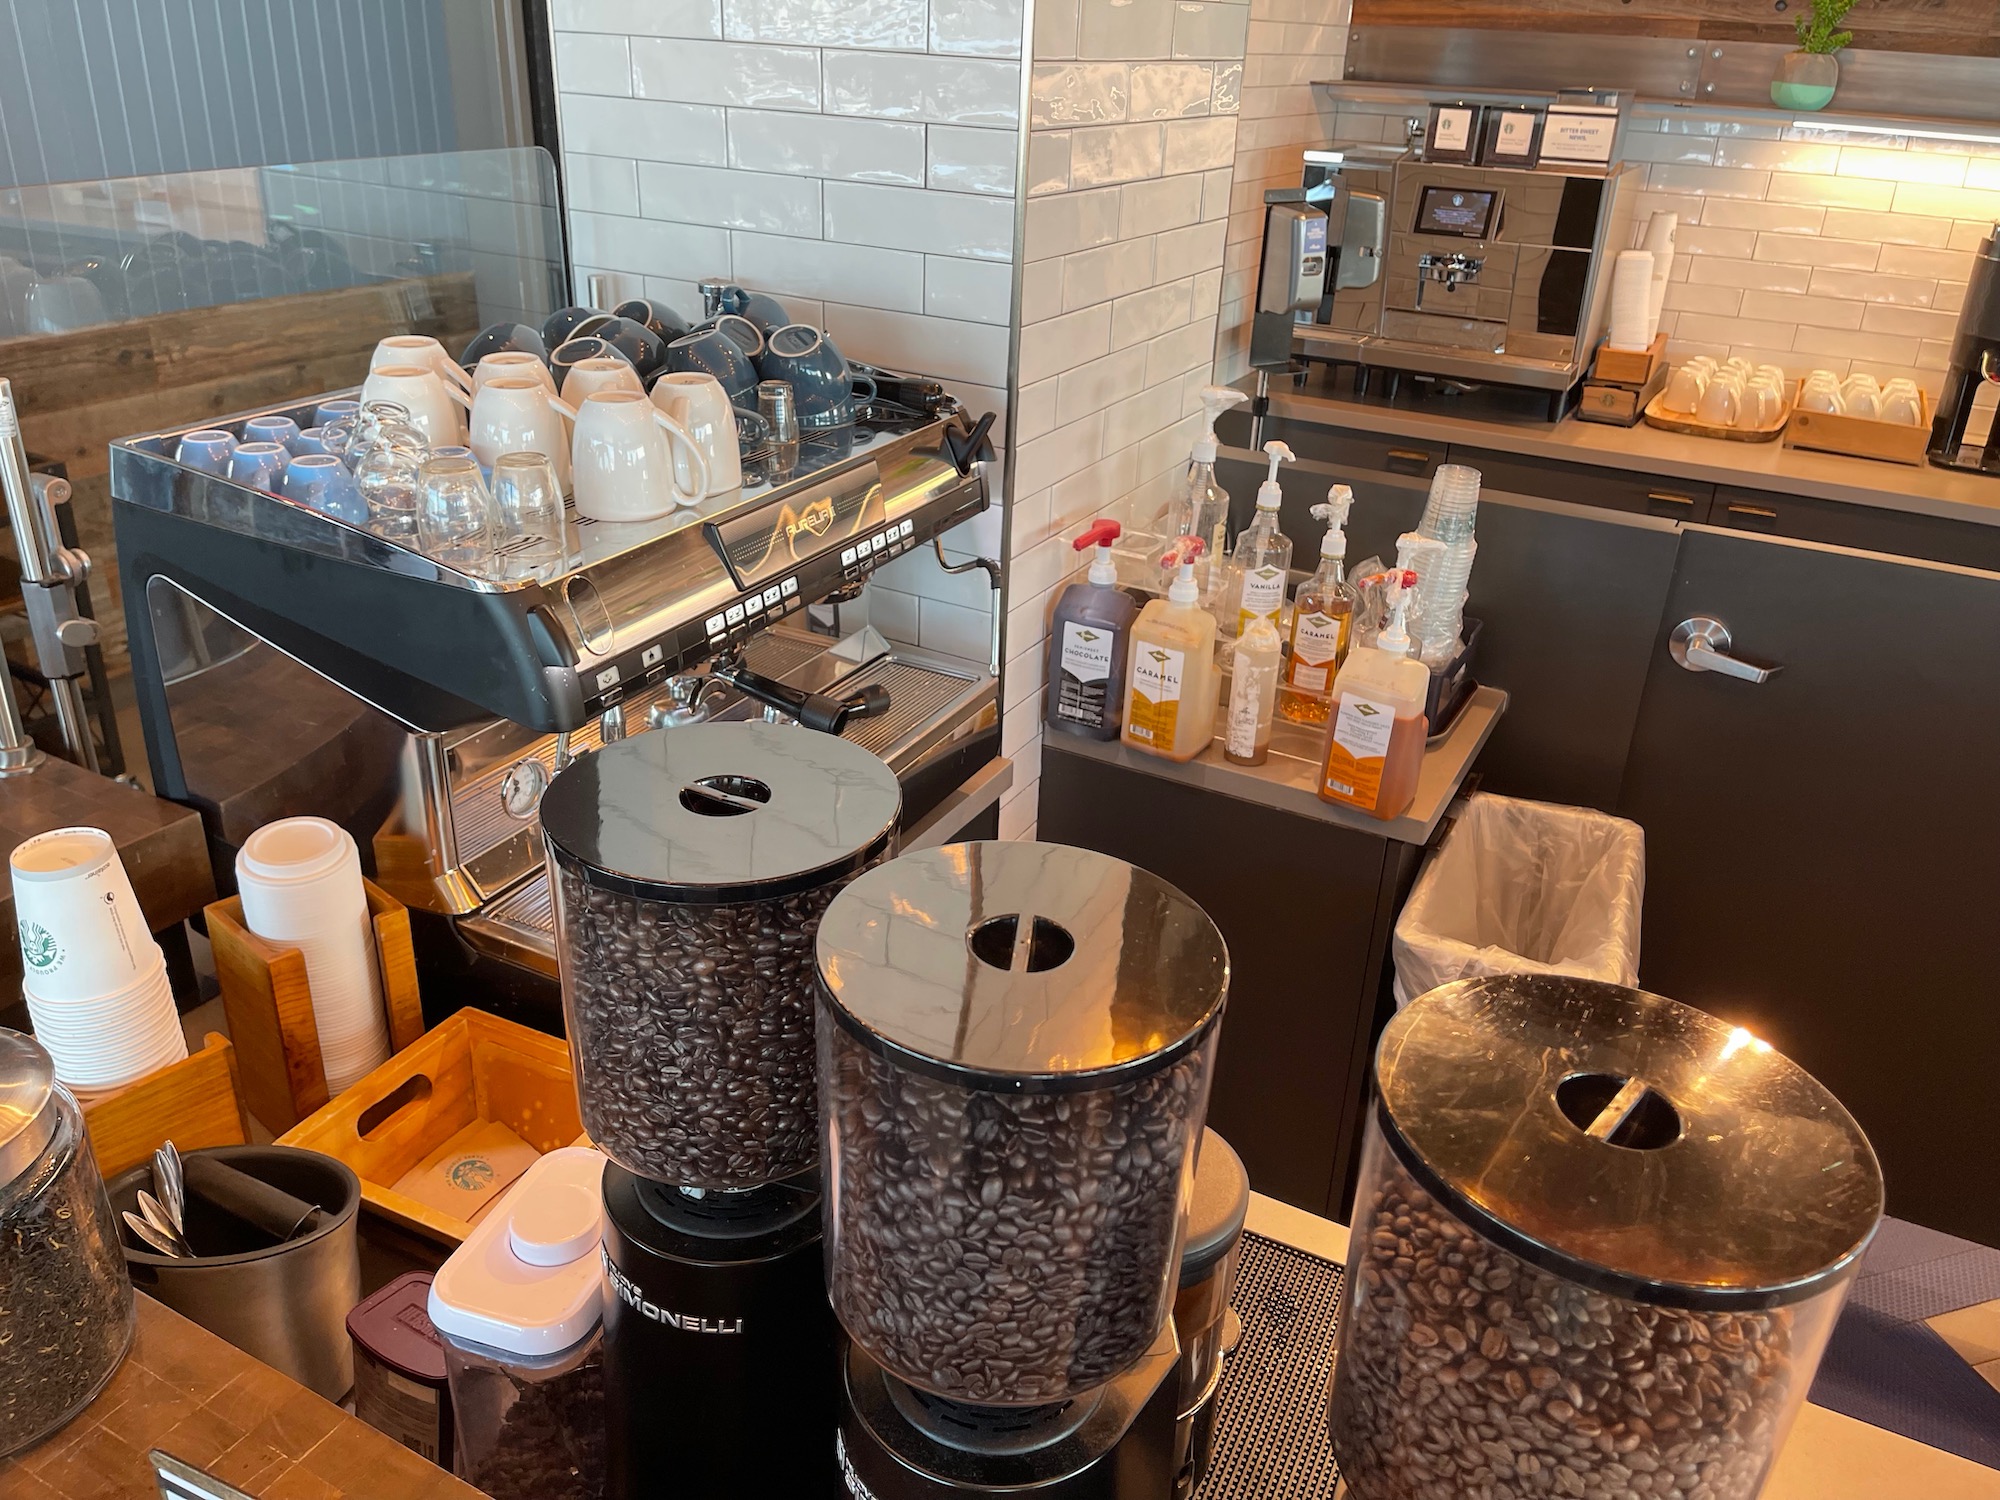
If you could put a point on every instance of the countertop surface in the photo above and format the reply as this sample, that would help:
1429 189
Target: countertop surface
1770 466
186 1392
1286 781
1827 1457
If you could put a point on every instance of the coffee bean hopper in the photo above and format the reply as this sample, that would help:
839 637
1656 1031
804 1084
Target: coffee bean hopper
691 868
1600 1240
1015 1049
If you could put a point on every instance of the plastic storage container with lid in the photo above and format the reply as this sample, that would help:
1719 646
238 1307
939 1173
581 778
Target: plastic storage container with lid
1015 1048
65 1298
1202 1314
400 1387
520 1309
1600 1241
691 869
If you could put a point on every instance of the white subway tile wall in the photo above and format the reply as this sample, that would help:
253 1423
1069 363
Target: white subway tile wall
1804 246
1133 139
856 158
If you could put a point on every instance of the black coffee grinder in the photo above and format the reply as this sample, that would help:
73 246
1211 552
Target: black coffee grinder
1015 1048
690 868
1975 368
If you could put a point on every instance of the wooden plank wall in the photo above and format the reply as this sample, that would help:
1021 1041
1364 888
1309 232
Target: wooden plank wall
1963 27
76 392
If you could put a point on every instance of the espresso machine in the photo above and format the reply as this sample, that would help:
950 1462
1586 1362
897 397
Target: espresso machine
1974 371
1016 1041
287 663
1452 276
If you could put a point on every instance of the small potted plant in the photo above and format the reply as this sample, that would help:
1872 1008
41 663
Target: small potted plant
1807 78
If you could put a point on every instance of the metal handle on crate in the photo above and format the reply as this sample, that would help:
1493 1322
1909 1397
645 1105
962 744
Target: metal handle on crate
1702 645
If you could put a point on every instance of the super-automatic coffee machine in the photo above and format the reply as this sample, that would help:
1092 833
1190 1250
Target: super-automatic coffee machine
1452 272
1975 371
288 663
1015 1048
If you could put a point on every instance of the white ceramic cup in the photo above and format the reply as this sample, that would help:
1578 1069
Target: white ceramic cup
1862 401
1761 405
587 377
699 403
627 459
436 406
1903 403
1721 402
517 414
514 364
1705 363
424 352
82 933
1684 390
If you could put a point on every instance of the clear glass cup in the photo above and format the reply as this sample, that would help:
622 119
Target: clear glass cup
388 479
528 511
455 513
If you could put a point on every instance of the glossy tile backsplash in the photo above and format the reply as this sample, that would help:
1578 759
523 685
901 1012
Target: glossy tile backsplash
856 158
1133 138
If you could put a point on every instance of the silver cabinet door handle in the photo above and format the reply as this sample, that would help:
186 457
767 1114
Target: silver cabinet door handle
1702 645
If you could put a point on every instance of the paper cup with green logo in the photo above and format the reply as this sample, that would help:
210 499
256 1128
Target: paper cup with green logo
82 934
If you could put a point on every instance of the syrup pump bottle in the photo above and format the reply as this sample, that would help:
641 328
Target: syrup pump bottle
1261 566
1201 509
1170 679
1375 738
1089 637
1322 619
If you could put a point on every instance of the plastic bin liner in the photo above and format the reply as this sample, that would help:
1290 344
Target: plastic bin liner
1525 888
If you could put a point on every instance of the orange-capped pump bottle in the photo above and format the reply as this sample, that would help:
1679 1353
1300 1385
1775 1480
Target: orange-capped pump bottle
1089 638
1375 734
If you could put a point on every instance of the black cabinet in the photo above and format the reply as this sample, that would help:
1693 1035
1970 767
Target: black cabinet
1306 908
1589 484
1863 527
1340 446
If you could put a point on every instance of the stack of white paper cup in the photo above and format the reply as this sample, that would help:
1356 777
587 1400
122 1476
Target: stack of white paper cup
94 980
300 880
1632 301
1661 232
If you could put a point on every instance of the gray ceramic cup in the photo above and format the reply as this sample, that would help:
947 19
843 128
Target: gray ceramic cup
824 387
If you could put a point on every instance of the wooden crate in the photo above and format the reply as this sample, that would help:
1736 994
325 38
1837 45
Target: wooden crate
472 1069
1619 405
1862 437
269 1005
194 1103
1633 367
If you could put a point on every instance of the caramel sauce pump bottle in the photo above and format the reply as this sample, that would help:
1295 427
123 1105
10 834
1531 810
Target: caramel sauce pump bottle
1322 620
1171 683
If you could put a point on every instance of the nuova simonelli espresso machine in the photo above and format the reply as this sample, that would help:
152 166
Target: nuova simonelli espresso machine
1015 1045
288 663
691 869
1974 371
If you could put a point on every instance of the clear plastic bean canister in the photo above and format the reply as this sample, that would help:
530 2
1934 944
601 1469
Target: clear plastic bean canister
65 1297
1015 1047
1600 1240
691 867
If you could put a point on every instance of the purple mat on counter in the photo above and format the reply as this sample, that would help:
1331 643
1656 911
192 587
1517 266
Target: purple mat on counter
1886 1367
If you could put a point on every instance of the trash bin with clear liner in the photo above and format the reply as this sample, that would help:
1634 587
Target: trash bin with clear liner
1015 1048
1600 1240
691 867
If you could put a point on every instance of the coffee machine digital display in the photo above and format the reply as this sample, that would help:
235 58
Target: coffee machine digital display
1466 213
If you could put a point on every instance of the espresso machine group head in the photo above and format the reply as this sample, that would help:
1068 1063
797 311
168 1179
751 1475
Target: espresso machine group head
1974 370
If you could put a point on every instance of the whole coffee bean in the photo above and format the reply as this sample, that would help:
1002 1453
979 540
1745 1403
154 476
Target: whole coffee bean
691 1031
1537 1386
1076 1195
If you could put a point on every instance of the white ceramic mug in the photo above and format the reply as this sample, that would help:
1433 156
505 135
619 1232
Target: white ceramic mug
699 403
1721 402
1863 400
587 377
436 407
517 414
420 350
512 364
1761 405
627 459
1684 390
1821 395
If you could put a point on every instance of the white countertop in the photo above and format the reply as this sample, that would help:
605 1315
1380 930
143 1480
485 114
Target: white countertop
1827 1457
1947 493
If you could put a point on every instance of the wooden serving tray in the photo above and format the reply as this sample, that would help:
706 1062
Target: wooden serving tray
1672 421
